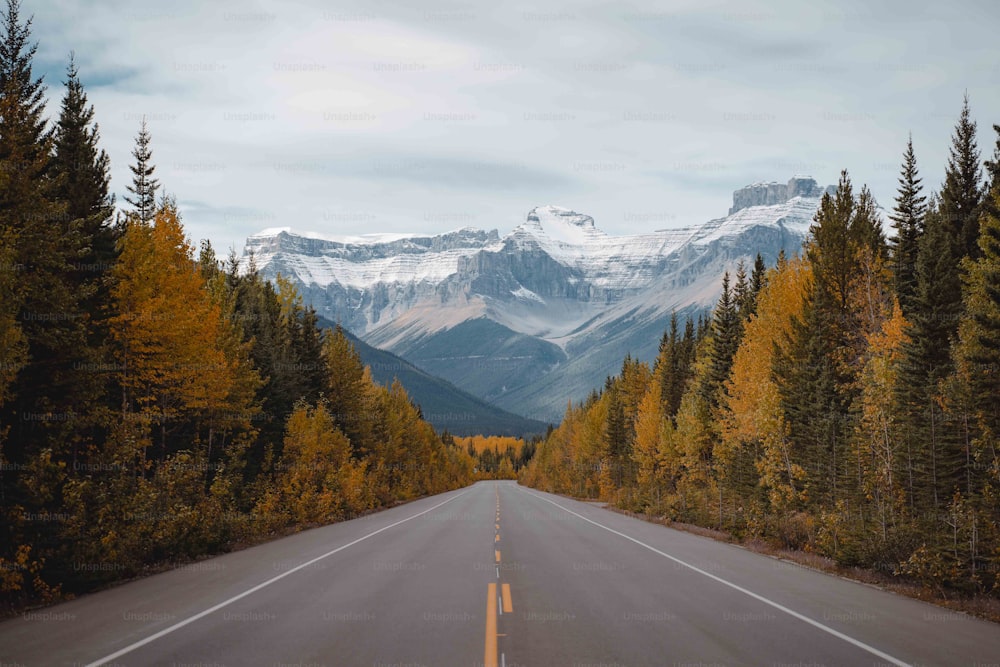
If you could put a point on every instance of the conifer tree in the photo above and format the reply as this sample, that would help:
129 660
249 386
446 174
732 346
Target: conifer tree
927 362
962 191
45 244
726 329
908 221
83 167
979 335
82 171
993 177
144 186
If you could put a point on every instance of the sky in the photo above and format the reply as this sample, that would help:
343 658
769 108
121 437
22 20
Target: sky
347 117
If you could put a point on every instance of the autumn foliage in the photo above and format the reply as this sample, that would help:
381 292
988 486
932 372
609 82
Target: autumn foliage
813 411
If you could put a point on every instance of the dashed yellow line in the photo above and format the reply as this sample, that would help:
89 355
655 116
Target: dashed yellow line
497 537
490 651
508 605
497 555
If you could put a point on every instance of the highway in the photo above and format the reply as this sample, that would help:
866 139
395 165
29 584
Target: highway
496 574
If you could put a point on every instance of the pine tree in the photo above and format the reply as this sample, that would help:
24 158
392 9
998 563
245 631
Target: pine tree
726 330
82 172
758 279
817 373
978 374
143 186
993 175
866 225
979 336
962 191
45 244
742 294
908 221
83 166
927 362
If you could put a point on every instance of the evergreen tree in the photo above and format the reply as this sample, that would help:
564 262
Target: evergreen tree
758 279
908 221
83 166
143 186
993 175
962 191
927 361
817 374
46 243
979 346
743 295
82 170
866 225
726 329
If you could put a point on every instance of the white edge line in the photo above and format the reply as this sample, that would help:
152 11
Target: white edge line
777 605
250 591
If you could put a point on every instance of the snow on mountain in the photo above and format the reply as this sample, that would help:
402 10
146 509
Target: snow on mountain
544 313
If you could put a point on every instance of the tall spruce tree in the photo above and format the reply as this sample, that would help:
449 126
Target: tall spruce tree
908 221
726 329
51 396
962 191
993 177
84 169
936 310
144 186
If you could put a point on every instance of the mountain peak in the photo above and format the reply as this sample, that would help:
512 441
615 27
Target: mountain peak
558 214
769 194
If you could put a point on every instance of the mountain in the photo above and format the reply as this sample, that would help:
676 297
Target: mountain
443 404
542 315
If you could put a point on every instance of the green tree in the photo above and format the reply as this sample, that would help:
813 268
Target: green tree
908 221
725 339
962 192
144 186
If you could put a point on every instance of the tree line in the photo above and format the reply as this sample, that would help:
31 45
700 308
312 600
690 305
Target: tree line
845 401
156 403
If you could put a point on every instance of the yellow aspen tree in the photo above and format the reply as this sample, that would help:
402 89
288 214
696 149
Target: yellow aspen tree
167 328
752 404
649 444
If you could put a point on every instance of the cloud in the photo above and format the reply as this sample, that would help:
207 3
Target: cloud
347 117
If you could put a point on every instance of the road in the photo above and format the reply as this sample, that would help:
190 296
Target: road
496 574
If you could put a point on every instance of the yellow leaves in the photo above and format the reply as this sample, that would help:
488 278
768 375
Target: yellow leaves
314 467
648 437
168 328
752 404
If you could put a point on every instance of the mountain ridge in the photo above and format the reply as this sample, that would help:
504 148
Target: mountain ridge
558 301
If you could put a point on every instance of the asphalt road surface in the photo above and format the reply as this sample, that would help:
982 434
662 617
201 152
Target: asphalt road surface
496 574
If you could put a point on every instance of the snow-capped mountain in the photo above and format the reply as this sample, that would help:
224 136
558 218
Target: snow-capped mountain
540 316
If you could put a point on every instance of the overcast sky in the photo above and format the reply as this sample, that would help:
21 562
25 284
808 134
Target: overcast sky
355 116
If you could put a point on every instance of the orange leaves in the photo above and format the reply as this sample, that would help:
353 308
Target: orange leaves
167 328
753 410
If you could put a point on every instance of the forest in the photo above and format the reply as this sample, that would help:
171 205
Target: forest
158 404
845 401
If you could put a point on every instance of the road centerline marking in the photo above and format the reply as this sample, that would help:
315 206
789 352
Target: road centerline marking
490 650
250 591
777 605
508 605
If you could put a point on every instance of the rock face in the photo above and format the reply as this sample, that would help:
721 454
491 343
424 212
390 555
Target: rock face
543 314
769 194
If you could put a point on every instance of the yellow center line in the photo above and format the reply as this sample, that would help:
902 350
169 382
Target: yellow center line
490 653
498 555
508 606
497 538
